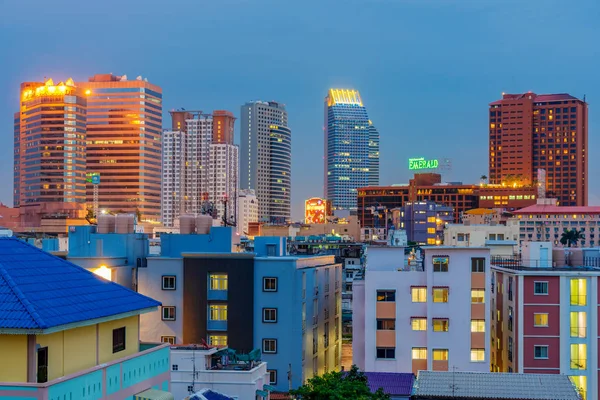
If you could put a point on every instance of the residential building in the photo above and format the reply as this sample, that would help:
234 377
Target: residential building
75 339
266 158
124 128
423 221
548 131
217 369
351 148
545 317
465 385
247 210
503 240
546 222
200 164
409 317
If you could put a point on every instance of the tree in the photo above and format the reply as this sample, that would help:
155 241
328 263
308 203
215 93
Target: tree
339 386
571 237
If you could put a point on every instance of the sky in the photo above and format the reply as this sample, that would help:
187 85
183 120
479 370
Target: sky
426 69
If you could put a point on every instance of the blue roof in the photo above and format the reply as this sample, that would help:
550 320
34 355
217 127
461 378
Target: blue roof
40 291
392 383
208 394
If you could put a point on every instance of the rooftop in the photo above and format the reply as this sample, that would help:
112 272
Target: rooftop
537 98
552 209
392 383
39 291
485 385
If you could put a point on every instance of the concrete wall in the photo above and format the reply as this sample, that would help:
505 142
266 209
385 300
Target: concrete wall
13 351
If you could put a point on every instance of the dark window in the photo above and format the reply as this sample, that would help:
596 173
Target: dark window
386 352
510 348
269 315
271 250
386 324
440 264
540 288
510 318
168 313
269 346
175 367
477 264
42 369
167 339
272 376
269 284
510 288
118 339
168 282
386 295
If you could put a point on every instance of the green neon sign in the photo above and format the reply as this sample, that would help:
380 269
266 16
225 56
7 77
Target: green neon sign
422 163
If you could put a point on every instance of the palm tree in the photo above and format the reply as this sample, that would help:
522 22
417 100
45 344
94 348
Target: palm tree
571 237
483 179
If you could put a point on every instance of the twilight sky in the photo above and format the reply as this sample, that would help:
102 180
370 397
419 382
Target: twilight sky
426 69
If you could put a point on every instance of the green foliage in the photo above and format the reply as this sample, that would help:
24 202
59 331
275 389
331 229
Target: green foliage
339 386
571 237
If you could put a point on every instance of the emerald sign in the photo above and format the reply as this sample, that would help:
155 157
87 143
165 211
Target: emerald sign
421 163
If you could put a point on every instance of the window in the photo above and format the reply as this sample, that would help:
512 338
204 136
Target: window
510 348
167 339
540 287
431 230
272 376
440 324
418 294
269 284
440 354
477 296
269 315
217 312
315 338
477 325
440 295
386 324
578 292
477 355
218 281
175 367
440 264
217 340
118 339
540 352
510 288
510 318
477 264
168 313
386 295
419 353
386 352
540 319
578 324
579 356
418 324
269 346
168 282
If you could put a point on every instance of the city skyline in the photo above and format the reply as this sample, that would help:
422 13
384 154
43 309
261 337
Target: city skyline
400 87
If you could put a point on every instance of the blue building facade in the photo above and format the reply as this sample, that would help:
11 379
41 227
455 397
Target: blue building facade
351 148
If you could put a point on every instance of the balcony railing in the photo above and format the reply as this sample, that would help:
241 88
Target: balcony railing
518 263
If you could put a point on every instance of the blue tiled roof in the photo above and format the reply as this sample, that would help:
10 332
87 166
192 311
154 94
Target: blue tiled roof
392 383
210 395
40 291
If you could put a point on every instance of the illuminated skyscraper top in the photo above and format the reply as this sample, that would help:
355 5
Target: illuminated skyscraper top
351 148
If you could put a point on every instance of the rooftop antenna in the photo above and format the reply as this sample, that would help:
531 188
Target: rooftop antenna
192 388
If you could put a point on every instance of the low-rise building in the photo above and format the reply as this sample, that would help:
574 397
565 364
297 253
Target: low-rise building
502 240
429 316
423 221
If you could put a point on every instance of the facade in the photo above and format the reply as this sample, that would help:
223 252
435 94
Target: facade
507 197
423 221
547 222
266 158
247 210
433 315
200 164
351 148
124 128
503 240
546 318
549 131
79 340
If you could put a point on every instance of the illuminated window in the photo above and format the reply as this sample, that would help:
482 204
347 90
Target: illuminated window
431 219
477 295
440 355
386 295
578 292
217 312
167 339
579 356
578 324
419 353
440 295
418 294
217 340
477 325
440 324
218 281
431 230
418 324
580 383
477 355
540 320
430 240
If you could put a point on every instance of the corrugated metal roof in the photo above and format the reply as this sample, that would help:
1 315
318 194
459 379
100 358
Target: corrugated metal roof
482 385
40 291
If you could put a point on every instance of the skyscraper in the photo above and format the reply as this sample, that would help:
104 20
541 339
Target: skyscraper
266 159
550 132
50 147
200 164
351 148
123 143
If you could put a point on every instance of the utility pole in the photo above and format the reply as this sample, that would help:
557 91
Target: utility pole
289 374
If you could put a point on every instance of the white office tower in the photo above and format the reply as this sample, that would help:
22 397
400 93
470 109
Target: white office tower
200 164
266 158
247 210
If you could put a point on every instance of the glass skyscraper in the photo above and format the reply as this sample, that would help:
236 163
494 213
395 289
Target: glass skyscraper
351 148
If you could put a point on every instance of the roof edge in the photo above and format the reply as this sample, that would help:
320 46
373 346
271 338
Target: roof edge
17 292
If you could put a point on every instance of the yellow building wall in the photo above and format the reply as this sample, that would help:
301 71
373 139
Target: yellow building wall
55 343
132 344
80 349
13 358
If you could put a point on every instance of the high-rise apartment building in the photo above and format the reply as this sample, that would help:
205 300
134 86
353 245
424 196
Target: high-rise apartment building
124 128
247 210
351 148
549 131
50 146
200 164
266 159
